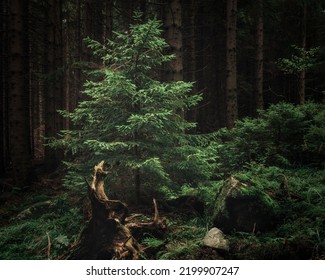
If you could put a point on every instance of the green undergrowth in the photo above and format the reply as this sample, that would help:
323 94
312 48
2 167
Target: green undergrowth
183 240
269 247
41 234
301 230
300 233
51 229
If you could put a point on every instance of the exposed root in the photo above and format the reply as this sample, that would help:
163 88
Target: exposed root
109 233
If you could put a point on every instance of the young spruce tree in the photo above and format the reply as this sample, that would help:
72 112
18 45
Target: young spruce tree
132 121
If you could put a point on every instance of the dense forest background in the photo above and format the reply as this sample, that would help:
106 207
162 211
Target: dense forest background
259 67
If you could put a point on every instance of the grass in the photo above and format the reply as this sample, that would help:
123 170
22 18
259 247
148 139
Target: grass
44 234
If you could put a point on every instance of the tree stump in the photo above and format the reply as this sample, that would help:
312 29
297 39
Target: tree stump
108 235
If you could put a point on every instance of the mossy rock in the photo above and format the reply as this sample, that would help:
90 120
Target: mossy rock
240 207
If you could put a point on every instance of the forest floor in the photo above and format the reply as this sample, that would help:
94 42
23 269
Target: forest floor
44 221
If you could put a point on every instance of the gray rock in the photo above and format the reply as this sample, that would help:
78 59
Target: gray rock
216 239
246 208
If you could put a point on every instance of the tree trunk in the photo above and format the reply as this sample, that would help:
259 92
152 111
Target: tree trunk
59 84
4 85
67 62
231 78
39 127
18 95
36 50
173 24
189 20
108 27
302 75
94 19
259 103
53 89
77 77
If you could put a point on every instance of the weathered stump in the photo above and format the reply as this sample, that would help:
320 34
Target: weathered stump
108 234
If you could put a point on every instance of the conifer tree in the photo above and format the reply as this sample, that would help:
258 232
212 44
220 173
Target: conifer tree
131 120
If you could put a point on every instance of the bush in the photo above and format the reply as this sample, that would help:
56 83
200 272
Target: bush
284 135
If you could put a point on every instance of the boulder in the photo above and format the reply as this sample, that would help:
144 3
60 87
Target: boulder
241 207
216 239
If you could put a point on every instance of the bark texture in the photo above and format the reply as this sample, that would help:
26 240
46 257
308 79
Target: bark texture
302 75
18 95
259 102
174 38
231 78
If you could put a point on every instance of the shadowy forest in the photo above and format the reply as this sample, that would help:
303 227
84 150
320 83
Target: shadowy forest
165 129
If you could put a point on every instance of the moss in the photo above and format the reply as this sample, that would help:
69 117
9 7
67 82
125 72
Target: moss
243 207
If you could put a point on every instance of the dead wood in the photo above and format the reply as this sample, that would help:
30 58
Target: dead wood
157 227
109 233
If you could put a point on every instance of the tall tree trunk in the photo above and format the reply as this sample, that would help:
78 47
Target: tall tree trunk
94 19
67 62
77 76
259 102
143 9
18 96
36 83
39 126
302 75
59 85
231 78
4 85
108 26
189 20
173 24
52 86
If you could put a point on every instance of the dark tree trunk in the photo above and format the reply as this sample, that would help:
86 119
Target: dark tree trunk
108 26
77 77
53 89
173 22
94 19
302 75
4 86
231 78
36 48
259 101
18 95
189 63
58 59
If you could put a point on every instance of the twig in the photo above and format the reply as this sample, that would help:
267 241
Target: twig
126 241
48 246
156 217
